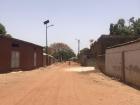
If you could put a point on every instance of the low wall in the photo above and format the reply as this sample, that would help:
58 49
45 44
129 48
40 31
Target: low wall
48 60
87 61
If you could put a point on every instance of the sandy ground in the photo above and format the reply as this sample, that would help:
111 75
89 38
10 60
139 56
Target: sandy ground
80 69
61 84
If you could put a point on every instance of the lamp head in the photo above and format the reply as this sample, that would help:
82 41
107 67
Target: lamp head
46 22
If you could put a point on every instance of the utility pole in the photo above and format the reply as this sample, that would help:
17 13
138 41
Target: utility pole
78 47
78 40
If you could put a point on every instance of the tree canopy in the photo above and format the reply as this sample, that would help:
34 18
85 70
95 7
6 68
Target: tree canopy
85 51
60 46
120 28
2 29
61 51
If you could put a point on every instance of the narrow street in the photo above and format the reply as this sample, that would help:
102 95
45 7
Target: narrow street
61 84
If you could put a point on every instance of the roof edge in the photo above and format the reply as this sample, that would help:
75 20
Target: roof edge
20 40
127 43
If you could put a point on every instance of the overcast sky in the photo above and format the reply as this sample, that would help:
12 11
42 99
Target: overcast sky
81 19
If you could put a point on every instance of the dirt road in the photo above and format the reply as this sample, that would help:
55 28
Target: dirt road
57 85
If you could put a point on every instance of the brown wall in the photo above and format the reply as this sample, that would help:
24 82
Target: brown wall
26 50
4 55
50 60
123 62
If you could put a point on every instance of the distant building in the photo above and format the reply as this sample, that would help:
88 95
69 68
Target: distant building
19 55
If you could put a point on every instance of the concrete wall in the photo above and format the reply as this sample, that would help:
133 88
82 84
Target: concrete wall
113 64
87 60
91 62
83 60
132 67
100 62
123 62
98 47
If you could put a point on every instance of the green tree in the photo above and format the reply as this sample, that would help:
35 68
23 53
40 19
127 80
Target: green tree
116 30
136 26
121 29
121 23
85 51
3 32
2 29
61 51
63 55
131 20
111 29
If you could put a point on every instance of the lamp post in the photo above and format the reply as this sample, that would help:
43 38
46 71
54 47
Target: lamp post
46 23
